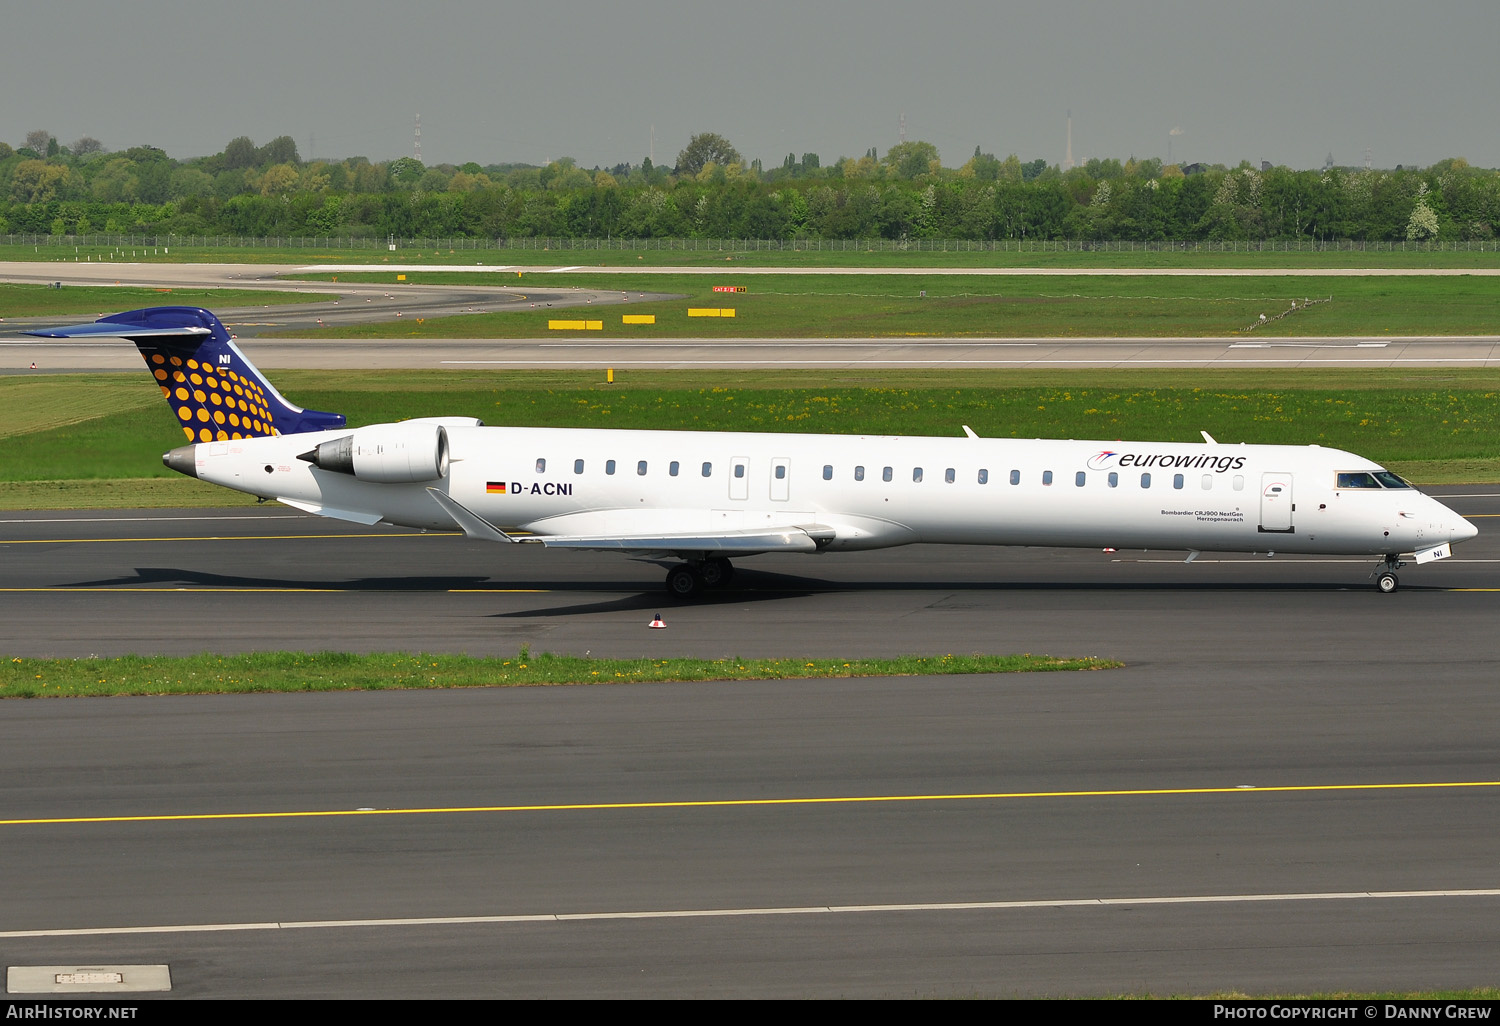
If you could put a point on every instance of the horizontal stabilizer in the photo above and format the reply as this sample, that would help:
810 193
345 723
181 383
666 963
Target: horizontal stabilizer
113 329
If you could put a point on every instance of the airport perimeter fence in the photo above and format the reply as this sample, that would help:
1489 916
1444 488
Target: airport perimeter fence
532 244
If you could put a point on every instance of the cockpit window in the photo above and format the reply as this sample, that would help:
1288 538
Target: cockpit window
1357 479
1390 480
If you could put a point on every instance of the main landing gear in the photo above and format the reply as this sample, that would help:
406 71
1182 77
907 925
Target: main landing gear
687 580
1385 575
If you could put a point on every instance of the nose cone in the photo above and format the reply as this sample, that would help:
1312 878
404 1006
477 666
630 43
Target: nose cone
1464 530
182 459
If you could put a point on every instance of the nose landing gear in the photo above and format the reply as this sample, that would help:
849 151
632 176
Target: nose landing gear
1386 580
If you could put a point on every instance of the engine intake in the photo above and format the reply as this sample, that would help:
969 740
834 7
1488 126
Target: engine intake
386 453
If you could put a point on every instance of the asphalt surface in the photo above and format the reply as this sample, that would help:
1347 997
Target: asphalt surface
17 356
1096 833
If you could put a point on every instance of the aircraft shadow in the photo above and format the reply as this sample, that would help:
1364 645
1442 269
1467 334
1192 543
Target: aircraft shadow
656 600
157 576
749 586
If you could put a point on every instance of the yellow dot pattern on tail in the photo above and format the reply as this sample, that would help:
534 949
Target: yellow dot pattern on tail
212 404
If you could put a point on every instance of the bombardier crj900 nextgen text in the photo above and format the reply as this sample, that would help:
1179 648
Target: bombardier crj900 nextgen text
701 497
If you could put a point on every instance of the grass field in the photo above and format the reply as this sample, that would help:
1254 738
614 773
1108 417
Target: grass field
922 306
340 671
97 440
808 253
94 301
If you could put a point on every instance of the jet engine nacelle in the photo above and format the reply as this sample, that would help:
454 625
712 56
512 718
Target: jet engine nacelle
386 453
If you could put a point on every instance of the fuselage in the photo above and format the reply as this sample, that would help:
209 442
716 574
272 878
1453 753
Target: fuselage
869 491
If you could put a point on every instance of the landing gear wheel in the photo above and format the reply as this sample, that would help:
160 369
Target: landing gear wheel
683 582
716 572
1386 582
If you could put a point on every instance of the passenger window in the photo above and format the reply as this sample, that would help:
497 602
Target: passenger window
984 476
739 470
950 475
708 469
609 466
578 466
1015 477
885 475
781 473
1176 480
859 473
673 467
1046 477
1239 482
1145 480
640 469
916 473
541 466
828 472
1114 479
1079 478
1208 482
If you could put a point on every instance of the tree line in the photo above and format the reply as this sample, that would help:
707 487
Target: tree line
712 192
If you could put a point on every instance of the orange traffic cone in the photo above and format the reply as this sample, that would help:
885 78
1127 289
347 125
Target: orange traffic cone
656 623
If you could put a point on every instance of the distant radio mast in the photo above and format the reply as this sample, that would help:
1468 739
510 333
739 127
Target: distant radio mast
903 126
417 143
1068 159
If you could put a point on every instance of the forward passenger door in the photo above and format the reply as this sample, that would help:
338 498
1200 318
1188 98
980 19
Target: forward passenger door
1276 503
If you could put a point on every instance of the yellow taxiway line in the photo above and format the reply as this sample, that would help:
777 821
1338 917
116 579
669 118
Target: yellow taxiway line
768 802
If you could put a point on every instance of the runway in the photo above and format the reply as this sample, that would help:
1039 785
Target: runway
70 355
1235 810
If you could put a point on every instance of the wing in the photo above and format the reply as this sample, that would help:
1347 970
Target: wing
741 542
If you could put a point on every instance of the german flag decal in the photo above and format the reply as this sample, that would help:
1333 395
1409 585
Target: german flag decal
495 488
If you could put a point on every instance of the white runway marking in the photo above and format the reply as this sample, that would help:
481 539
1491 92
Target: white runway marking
791 910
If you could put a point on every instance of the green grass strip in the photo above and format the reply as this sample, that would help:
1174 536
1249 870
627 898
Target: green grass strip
340 671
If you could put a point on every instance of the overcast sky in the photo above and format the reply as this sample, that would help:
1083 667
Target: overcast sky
1287 81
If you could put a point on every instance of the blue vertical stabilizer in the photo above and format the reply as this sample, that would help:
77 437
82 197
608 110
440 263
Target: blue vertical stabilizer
214 390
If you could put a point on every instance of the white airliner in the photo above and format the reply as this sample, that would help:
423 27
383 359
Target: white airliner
702 497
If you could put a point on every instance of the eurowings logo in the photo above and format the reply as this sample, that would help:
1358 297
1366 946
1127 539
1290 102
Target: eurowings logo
1166 461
